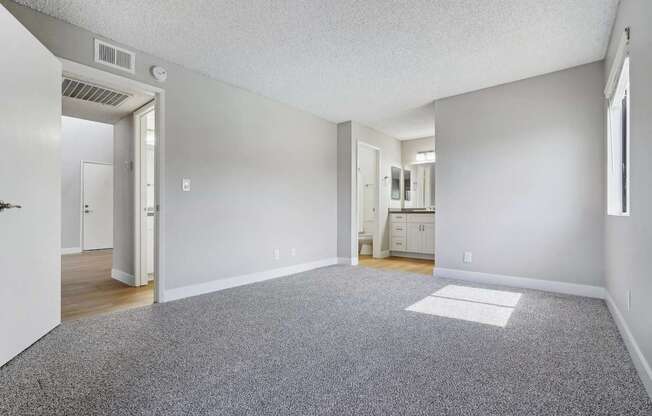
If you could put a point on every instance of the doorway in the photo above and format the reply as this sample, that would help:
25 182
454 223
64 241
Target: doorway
97 210
368 200
144 192
110 271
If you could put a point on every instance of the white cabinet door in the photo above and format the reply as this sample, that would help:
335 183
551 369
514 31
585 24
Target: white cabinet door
413 237
30 176
428 240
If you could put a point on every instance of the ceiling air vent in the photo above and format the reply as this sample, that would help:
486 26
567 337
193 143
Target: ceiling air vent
85 91
115 57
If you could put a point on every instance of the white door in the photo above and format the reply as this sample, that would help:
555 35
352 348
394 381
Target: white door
30 176
97 210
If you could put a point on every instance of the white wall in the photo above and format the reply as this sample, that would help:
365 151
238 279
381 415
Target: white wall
264 175
80 140
629 239
520 179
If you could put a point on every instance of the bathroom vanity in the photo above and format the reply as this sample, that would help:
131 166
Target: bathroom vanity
412 233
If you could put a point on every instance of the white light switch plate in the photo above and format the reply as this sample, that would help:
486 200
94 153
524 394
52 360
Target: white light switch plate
277 254
185 185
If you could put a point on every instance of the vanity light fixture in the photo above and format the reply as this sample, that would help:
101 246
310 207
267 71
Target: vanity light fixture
427 156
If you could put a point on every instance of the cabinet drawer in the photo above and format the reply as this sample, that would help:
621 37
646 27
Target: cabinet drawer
397 217
397 244
421 218
398 229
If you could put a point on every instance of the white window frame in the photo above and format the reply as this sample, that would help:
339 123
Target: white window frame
617 92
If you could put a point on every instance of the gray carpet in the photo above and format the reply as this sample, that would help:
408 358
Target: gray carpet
335 341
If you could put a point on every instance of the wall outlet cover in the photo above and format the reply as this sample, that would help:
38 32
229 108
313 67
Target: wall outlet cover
468 257
277 254
185 185
293 252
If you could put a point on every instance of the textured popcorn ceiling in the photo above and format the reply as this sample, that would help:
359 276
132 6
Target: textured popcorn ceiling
379 62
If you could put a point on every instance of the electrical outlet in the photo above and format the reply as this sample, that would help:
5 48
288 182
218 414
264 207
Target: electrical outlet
277 254
629 300
468 257
185 185
293 252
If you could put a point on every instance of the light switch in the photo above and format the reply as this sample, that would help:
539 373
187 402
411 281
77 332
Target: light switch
185 185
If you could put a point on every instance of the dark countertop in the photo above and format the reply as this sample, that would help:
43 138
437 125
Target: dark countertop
410 211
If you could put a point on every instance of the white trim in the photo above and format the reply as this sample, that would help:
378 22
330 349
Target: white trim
123 277
140 216
347 261
221 284
70 250
110 79
522 282
410 255
384 254
641 364
622 51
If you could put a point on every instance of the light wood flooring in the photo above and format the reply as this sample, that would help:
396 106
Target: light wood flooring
398 263
87 288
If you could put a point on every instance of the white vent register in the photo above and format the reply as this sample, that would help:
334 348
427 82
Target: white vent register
114 56
82 90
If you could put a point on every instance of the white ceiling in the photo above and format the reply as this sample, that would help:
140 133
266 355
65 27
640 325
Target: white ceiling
378 62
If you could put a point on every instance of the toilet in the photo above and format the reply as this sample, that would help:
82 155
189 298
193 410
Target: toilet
365 243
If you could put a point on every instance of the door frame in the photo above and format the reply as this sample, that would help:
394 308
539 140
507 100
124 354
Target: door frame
140 220
376 249
81 199
158 94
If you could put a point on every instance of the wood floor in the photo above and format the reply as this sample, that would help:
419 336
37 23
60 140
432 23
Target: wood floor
87 288
399 263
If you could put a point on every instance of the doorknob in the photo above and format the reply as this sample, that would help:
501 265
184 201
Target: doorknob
7 205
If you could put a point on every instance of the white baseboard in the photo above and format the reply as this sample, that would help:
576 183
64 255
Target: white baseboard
408 255
215 285
523 282
641 364
348 261
384 254
123 277
70 250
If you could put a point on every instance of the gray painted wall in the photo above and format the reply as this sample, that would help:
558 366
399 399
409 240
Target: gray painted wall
264 175
123 195
346 244
629 239
80 140
520 178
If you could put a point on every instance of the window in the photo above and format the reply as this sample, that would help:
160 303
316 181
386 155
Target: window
618 131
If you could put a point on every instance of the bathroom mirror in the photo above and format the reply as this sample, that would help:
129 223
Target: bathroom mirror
422 186
396 184
407 185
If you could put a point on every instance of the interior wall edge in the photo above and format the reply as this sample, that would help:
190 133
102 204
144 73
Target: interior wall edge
642 365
